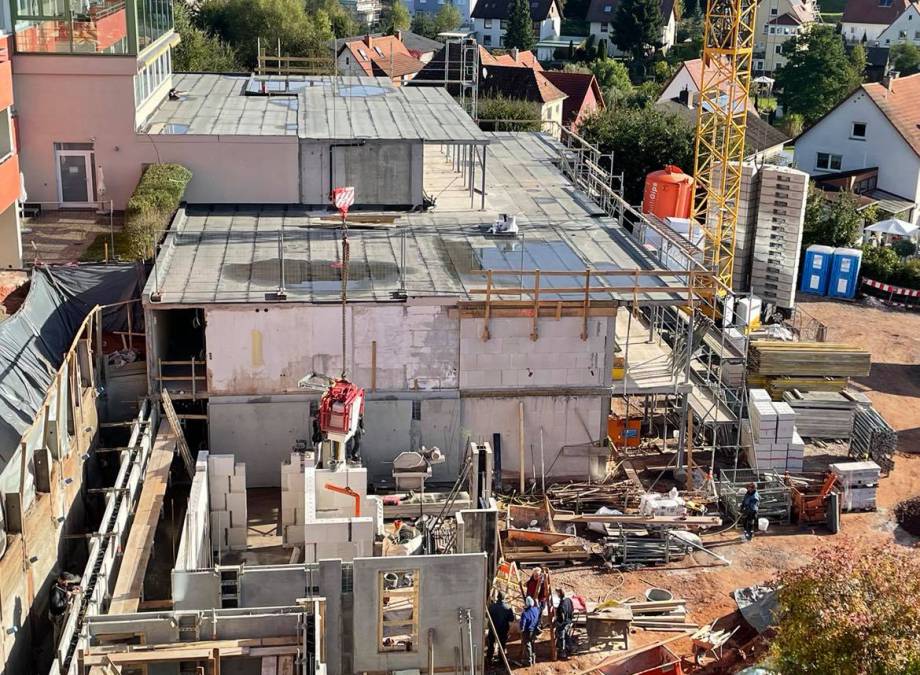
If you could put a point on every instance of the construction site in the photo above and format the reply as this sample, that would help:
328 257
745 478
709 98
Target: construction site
322 436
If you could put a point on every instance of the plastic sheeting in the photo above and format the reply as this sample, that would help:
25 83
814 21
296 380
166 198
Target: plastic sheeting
34 341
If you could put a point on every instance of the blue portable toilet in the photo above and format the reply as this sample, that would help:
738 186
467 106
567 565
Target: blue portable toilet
844 273
817 270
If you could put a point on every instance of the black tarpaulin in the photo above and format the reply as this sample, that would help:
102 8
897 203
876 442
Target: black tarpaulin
35 339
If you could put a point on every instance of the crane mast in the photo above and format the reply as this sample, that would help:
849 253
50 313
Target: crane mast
728 47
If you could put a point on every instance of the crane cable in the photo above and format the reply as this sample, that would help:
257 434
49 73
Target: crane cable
344 288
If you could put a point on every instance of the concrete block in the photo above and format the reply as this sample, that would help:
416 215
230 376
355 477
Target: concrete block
238 482
221 465
509 378
293 534
236 538
220 520
218 486
294 482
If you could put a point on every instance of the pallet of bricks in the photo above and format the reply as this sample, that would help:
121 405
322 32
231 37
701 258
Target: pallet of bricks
770 436
778 234
858 483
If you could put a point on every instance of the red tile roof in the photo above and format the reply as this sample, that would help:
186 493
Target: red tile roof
576 86
517 82
901 106
872 11
384 55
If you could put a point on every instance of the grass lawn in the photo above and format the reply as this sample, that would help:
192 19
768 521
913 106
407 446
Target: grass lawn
96 251
831 17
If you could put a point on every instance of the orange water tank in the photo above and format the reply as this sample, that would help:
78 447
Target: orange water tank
668 193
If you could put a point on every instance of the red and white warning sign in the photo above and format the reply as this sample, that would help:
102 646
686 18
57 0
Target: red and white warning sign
343 198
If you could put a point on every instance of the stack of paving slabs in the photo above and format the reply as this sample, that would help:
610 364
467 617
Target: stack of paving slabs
769 358
823 414
778 236
746 226
771 436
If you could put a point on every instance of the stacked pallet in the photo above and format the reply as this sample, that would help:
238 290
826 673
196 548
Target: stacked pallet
822 414
821 359
746 225
771 434
858 483
778 237
227 493
873 438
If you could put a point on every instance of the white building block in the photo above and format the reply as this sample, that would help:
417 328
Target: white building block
221 465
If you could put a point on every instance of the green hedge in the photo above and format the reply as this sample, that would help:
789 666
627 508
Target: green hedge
884 265
149 210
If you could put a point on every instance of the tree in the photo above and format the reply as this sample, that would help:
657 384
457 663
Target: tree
423 24
343 22
817 74
395 18
858 60
521 115
641 140
637 26
613 79
447 19
850 611
905 58
837 222
519 33
691 8
904 247
601 50
197 51
241 23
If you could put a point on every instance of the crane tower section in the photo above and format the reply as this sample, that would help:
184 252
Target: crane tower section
728 45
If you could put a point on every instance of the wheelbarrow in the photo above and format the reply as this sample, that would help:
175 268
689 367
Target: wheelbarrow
709 641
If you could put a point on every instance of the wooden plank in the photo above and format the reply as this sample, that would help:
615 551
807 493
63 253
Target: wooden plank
129 587
269 665
177 430
285 665
638 520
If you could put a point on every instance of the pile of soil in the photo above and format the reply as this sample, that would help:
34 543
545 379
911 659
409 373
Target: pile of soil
907 514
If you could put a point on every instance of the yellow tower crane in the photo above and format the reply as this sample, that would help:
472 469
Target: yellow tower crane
728 46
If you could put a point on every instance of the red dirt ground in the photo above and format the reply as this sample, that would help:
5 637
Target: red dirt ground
893 338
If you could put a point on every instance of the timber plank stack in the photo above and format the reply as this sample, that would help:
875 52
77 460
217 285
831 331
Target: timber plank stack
823 414
817 359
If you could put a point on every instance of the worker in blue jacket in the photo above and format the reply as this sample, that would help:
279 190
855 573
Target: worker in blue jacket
530 626
750 505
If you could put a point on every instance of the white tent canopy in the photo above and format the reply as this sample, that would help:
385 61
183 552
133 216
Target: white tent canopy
893 226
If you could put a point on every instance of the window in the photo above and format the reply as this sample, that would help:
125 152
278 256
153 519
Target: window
772 30
397 615
604 27
902 35
608 9
149 79
829 162
884 3
774 11
487 40
917 35
487 24
778 49
503 24
859 130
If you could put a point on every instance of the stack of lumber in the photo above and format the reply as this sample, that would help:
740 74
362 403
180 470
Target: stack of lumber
873 438
661 615
822 414
797 359
777 386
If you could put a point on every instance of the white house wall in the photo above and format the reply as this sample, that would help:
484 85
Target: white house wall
898 165
908 23
853 32
681 81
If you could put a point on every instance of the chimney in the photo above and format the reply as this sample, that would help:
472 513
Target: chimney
514 54
399 35
889 79
367 40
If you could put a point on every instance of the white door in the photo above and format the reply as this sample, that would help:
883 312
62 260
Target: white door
75 177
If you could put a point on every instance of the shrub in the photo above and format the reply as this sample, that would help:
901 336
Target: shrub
150 208
511 114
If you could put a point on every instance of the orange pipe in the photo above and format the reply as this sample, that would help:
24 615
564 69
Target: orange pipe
347 491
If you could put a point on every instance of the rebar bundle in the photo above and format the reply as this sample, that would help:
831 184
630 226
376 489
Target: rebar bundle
873 438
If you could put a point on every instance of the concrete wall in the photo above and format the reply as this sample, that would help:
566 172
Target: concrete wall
382 173
251 351
898 165
446 585
195 543
10 238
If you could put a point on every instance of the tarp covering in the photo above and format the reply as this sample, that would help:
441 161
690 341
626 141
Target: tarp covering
35 339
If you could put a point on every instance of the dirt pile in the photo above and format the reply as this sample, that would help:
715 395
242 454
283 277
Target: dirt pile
907 514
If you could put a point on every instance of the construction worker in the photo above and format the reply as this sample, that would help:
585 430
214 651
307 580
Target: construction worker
565 617
65 588
750 505
502 617
538 588
530 626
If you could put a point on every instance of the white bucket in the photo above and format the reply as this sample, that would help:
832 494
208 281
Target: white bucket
763 524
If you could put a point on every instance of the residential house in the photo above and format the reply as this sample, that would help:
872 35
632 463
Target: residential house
419 46
10 180
384 56
689 78
877 126
866 20
527 84
600 17
465 7
778 21
762 141
583 95
905 28
490 20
